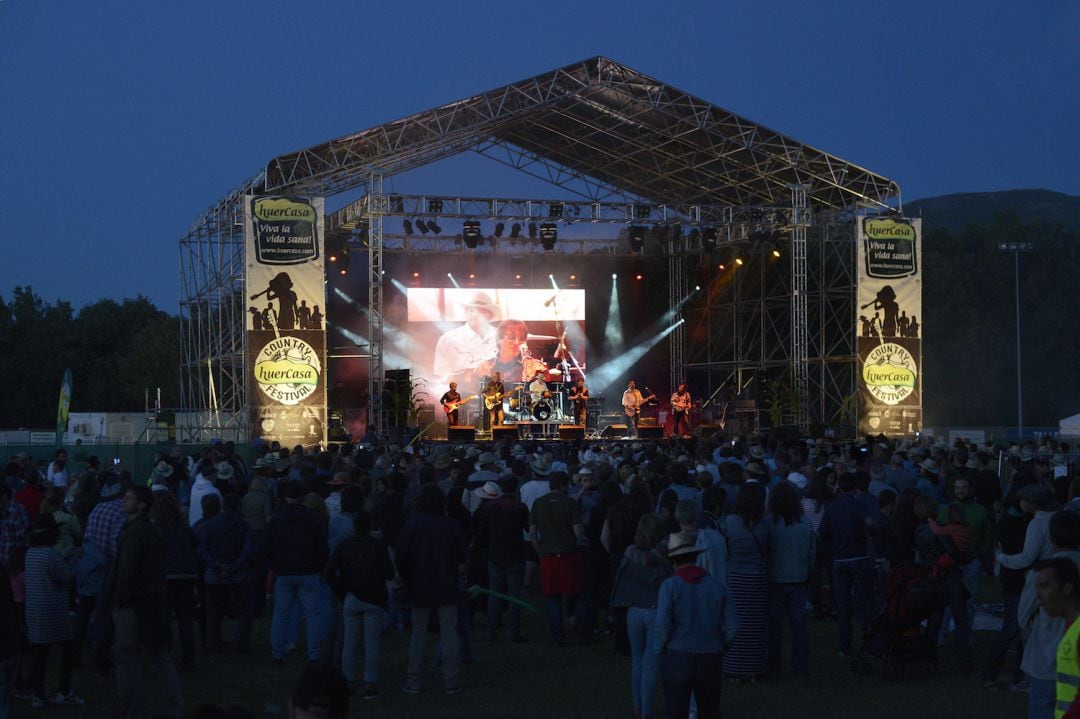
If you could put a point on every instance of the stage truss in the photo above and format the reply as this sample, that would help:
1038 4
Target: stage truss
626 148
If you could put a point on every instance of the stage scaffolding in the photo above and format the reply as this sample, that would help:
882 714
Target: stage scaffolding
626 148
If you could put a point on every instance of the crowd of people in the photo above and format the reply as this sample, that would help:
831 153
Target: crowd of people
700 558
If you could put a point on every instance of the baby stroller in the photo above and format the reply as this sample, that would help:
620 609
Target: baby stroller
897 635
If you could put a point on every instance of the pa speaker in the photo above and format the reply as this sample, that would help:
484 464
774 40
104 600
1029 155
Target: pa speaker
506 431
708 430
461 433
614 430
571 431
650 432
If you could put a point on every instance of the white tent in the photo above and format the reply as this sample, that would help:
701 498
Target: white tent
1070 426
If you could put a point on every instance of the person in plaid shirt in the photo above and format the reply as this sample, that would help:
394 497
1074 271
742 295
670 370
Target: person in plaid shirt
107 519
14 523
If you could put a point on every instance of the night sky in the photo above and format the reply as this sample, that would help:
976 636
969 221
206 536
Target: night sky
123 121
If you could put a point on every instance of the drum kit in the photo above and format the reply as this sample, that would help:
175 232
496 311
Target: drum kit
523 405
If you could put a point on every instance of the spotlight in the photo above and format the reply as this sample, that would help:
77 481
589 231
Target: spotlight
639 277
470 231
499 227
573 277
435 229
642 212
407 227
637 238
422 226
708 238
343 271
515 230
721 267
555 209
397 204
472 276
776 253
548 235
697 288
517 277
738 261
435 206
532 230
415 275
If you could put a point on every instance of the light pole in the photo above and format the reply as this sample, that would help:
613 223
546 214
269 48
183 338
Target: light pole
1016 248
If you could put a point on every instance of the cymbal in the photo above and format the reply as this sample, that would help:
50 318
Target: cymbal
554 371
541 337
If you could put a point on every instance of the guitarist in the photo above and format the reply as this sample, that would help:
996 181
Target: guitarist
680 411
450 402
579 395
631 402
493 396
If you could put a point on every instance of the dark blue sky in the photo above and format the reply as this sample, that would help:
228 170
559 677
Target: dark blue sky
122 121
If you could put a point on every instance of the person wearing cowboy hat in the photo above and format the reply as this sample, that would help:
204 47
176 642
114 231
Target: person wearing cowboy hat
538 486
460 350
695 620
485 469
555 528
929 482
499 526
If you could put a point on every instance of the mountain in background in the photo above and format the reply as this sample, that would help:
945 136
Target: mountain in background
955 212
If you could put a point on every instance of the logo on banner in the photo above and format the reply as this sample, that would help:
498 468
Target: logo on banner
284 230
287 370
889 248
889 373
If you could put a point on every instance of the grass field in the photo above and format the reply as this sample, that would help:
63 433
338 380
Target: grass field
538 680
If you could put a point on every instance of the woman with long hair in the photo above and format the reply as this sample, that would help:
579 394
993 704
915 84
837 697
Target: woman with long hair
637 587
792 548
815 499
181 571
747 536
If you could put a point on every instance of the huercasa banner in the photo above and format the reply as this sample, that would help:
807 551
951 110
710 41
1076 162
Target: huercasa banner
889 325
286 334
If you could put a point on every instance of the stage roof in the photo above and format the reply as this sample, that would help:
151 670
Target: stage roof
602 131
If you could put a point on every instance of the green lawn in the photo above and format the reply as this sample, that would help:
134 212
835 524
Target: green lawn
537 680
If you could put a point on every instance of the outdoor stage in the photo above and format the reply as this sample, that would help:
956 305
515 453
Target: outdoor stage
681 243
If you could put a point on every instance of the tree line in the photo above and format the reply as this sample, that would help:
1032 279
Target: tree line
114 349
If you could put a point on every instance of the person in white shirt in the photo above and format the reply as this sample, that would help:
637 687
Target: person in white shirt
57 474
631 402
204 485
460 350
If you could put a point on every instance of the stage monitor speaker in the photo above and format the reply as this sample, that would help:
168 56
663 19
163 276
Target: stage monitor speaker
571 431
614 430
647 422
708 430
506 431
461 433
650 432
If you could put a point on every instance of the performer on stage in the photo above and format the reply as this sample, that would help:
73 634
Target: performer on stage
631 402
450 401
538 386
680 411
579 395
493 397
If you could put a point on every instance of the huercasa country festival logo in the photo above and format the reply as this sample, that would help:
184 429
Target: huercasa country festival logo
287 369
889 373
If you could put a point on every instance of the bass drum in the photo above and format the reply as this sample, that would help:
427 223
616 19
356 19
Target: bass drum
541 411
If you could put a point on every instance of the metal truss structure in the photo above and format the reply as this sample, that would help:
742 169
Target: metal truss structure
627 148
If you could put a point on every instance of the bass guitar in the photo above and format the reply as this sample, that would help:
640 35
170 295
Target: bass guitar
451 406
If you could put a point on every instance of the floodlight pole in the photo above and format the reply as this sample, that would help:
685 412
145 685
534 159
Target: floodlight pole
1016 248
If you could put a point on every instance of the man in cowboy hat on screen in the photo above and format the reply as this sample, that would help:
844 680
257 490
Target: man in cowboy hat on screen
461 349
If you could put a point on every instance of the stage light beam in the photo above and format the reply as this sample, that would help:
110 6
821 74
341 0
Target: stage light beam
613 332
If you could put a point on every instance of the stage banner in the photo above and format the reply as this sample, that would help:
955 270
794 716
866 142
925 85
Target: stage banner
286 334
889 331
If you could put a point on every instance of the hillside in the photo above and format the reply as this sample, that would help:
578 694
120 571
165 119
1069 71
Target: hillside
955 212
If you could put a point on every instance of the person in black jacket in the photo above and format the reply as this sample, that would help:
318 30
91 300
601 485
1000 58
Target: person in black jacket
357 573
226 554
431 555
296 551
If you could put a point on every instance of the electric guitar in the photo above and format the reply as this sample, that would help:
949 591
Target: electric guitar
680 403
449 407
632 410
491 400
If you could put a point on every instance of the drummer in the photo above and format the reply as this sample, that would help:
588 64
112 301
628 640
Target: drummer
538 388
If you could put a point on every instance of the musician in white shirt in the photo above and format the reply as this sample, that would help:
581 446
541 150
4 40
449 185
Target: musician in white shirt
631 402
680 411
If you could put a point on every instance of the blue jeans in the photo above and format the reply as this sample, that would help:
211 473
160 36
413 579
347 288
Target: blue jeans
787 604
644 661
853 586
1042 695
505 580
305 589
685 674
358 616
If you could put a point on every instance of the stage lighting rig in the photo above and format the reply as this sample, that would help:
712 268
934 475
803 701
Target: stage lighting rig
708 238
470 232
435 206
555 209
515 230
422 226
637 238
499 227
406 226
532 230
435 229
549 234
